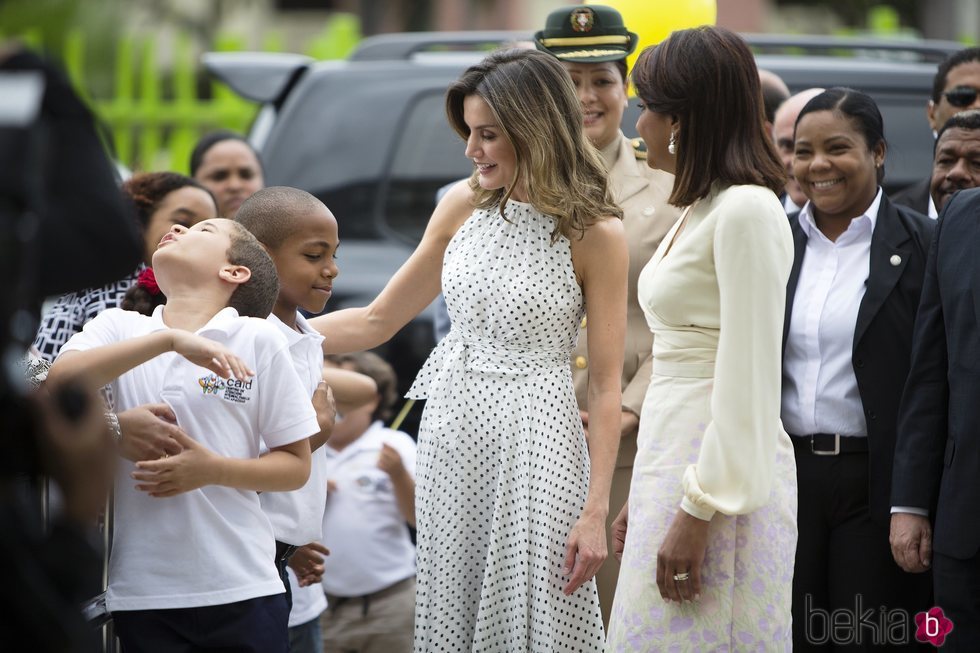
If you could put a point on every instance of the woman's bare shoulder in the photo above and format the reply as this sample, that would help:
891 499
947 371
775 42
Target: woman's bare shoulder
453 209
606 230
603 241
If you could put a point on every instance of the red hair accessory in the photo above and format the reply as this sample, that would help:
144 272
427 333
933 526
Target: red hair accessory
149 281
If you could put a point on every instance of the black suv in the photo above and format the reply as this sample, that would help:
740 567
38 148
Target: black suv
368 134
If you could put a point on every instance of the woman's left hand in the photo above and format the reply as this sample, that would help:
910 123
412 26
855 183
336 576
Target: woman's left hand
585 551
682 552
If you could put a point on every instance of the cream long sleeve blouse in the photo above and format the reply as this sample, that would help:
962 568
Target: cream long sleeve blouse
718 297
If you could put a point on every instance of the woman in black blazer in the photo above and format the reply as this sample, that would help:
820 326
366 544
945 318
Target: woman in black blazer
851 303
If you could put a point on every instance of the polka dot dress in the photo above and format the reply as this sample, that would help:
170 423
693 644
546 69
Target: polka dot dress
503 468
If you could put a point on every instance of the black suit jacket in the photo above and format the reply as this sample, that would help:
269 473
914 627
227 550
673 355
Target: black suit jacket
937 459
883 331
916 196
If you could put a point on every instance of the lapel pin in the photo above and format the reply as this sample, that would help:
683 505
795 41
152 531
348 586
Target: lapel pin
895 260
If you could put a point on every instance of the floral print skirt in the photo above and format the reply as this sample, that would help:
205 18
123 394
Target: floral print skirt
747 577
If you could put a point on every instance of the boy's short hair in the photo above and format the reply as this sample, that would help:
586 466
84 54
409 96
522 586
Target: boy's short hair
370 364
257 296
270 213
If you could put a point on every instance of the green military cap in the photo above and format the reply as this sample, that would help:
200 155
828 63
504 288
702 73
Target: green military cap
586 34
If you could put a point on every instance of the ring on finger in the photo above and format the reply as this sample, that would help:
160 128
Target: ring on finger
682 576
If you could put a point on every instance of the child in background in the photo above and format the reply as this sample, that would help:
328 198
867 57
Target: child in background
369 577
191 560
300 234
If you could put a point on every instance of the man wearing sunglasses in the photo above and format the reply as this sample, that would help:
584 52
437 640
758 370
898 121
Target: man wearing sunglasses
955 88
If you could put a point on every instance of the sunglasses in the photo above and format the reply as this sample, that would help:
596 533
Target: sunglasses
961 96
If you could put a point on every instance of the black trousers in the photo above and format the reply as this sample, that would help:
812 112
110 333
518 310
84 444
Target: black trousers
283 553
848 593
957 586
252 626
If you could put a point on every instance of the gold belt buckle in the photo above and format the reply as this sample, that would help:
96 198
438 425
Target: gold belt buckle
836 450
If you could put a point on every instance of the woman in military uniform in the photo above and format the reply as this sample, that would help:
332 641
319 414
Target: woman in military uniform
592 43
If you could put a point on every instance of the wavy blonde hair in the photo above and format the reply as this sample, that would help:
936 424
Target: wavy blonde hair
535 105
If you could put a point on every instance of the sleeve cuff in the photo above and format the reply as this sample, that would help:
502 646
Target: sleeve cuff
922 512
704 513
301 430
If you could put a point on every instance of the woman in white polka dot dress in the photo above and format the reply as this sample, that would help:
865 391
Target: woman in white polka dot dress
511 501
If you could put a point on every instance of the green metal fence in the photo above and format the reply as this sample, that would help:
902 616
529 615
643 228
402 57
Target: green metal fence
155 116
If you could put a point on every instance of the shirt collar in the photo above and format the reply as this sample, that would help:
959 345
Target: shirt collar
789 205
610 153
869 218
302 332
222 321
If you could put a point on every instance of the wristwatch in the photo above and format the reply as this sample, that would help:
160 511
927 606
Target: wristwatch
113 422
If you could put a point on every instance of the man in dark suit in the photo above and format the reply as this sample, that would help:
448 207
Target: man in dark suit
936 487
956 162
956 87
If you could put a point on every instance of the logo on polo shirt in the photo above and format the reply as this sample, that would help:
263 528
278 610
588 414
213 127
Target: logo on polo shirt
228 389
211 384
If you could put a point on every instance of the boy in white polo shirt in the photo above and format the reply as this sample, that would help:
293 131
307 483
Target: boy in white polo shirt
191 565
369 577
301 236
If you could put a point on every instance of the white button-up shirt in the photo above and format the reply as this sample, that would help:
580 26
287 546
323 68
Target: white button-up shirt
820 391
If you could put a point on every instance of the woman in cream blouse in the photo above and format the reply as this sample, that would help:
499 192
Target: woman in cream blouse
712 510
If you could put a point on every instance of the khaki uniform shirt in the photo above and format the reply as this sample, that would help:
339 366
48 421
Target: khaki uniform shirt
642 193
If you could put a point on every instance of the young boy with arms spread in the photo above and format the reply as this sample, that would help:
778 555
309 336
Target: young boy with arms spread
192 557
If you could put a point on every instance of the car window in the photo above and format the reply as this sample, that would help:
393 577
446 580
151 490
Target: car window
909 156
427 155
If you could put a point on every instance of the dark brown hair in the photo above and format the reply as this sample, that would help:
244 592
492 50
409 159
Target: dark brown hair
211 139
257 296
141 300
707 79
148 189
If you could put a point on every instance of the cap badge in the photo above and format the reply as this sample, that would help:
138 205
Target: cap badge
582 19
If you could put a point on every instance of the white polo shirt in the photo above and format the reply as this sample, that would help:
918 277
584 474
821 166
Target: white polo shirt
370 548
297 516
213 545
